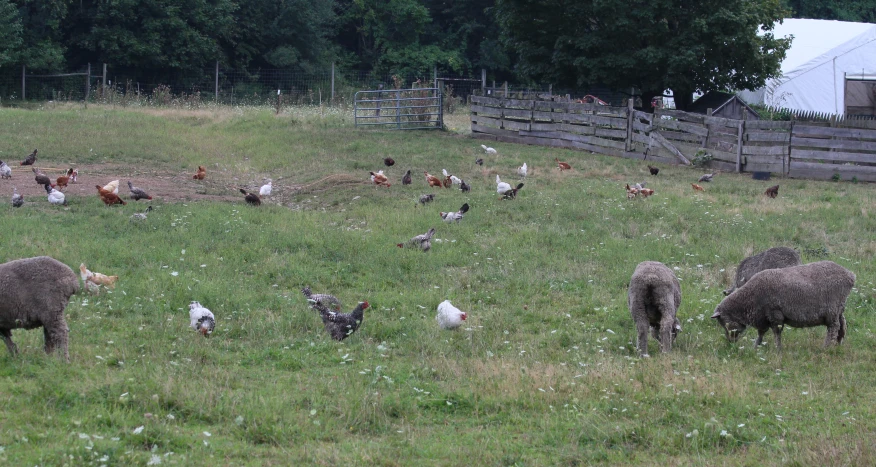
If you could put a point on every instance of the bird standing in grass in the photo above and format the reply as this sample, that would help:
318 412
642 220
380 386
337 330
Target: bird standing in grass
108 197
341 325
479 161
322 298
422 241
251 198
772 191
426 198
450 317
388 161
697 187
522 170
17 199
706 178
455 216
653 170
201 174
512 193
202 319
432 180
5 170
141 216
55 196
266 189
562 165
40 177
465 187
406 179
29 160
137 193
488 150
380 179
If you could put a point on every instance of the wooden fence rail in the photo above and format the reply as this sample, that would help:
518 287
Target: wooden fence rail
796 149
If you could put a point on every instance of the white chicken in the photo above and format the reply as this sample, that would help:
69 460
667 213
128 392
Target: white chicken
265 190
455 216
450 317
501 187
453 178
522 170
202 319
5 170
488 150
112 186
55 196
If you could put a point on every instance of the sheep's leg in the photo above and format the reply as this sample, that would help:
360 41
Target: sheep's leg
759 341
833 331
842 329
666 335
777 330
6 334
56 336
642 342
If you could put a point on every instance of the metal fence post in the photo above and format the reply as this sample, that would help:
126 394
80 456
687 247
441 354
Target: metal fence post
398 109
483 81
23 86
333 83
88 81
216 85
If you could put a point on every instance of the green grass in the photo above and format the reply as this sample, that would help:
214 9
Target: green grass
544 373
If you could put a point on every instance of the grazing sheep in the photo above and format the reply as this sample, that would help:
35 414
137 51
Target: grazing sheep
800 296
654 298
34 293
774 258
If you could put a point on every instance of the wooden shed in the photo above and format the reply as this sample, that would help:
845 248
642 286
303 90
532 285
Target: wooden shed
723 104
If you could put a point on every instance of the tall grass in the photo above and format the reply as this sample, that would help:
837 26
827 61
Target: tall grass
545 370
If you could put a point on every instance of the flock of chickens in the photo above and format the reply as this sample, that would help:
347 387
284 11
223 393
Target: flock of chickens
639 188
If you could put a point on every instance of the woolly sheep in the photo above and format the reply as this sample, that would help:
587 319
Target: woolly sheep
800 296
34 293
654 298
774 258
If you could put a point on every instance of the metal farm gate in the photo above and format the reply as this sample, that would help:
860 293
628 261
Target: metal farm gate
400 109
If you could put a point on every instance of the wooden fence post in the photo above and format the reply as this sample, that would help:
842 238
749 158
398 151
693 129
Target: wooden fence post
216 85
741 131
87 82
708 129
502 114
628 142
23 86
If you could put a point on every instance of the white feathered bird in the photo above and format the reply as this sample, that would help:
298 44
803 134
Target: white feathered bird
55 196
501 187
112 186
450 317
5 170
265 190
522 170
488 150
202 319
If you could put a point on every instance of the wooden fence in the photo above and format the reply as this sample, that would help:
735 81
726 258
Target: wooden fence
795 149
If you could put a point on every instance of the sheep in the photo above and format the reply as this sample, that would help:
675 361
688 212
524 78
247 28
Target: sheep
34 293
800 296
654 298
774 258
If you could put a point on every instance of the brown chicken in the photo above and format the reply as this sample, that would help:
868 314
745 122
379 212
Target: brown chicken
433 180
646 192
388 161
379 179
631 192
202 173
772 191
108 197
562 165
697 187
653 170
62 181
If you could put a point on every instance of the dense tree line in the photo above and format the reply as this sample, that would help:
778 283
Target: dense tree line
650 45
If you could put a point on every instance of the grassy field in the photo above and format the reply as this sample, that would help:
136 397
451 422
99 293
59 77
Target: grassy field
544 372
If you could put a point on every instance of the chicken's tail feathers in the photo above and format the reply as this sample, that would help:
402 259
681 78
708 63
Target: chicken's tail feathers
464 208
519 186
242 190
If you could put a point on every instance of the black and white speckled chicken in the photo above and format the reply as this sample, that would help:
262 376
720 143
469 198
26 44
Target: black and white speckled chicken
422 241
455 216
341 325
137 193
427 198
17 199
512 193
465 187
202 319
323 298
706 177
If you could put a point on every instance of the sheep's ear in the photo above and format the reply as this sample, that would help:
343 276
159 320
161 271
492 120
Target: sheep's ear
677 327
716 315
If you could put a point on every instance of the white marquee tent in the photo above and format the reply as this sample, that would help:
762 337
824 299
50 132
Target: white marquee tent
822 56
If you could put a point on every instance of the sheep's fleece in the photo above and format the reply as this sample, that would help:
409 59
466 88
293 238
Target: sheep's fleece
774 258
34 292
654 298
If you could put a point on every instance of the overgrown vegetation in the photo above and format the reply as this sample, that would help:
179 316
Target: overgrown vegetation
545 371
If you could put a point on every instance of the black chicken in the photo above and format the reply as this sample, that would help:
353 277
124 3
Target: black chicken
388 161
30 159
40 177
465 187
341 325
251 198
653 170
479 161
406 179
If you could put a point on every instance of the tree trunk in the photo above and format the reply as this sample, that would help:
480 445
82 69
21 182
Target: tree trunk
683 98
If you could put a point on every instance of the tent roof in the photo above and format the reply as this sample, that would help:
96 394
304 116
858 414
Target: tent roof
815 37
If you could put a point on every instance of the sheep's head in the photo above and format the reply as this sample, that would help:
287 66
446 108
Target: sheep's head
676 328
732 329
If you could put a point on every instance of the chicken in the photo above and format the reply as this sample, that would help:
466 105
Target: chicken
40 177
512 193
322 298
97 278
267 188
465 187
501 187
62 181
55 196
17 199
653 170
341 325
74 175
479 161
388 161
562 165
522 170
29 160
201 319
432 180
488 150
632 192
697 187
202 173
5 170
112 186
108 197
706 178
137 193
427 198
455 216
772 191
423 241
141 216
449 317
379 179
251 198
406 179
646 192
